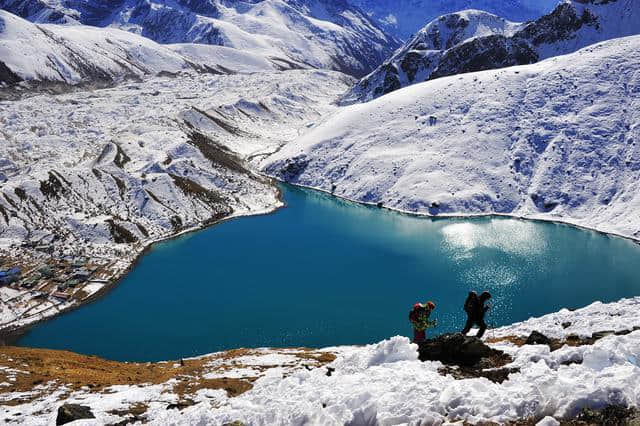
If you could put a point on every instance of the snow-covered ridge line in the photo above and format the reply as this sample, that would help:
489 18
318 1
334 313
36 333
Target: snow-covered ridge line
382 383
557 140
82 54
470 41
325 34
405 17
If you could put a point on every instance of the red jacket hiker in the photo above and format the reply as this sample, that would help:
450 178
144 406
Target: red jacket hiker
419 318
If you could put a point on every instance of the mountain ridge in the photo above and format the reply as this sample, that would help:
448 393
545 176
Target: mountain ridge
573 24
321 33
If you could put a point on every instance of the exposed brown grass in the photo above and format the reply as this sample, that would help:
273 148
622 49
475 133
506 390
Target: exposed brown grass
44 366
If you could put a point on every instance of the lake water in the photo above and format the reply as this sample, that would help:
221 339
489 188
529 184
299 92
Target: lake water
325 272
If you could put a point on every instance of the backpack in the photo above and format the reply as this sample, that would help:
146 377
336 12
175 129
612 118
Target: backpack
471 303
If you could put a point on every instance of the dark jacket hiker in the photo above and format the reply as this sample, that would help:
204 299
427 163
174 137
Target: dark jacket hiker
476 310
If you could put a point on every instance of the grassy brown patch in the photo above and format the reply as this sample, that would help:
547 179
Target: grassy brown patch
39 370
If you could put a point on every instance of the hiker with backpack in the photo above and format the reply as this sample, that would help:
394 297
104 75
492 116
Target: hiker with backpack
419 318
475 308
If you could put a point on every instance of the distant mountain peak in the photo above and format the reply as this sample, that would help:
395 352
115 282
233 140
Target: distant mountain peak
403 18
469 41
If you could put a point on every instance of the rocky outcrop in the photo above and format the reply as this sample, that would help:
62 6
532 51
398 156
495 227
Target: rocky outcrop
466 357
68 413
471 41
422 55
455 349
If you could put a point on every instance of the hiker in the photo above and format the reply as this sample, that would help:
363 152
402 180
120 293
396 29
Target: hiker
419 318
476 310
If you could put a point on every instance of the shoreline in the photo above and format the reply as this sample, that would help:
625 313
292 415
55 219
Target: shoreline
445 216
10 335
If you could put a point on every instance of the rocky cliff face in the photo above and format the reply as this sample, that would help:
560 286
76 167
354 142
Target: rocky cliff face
472 41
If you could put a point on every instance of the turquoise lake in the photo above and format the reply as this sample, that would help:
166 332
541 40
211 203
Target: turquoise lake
324 272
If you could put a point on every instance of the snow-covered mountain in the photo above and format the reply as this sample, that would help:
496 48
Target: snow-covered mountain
558 140
322 33
470 41
403 18
421 56
47 53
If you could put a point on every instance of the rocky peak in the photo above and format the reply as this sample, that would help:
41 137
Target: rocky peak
473 41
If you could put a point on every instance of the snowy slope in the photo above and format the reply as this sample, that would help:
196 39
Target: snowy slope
79 53
381 384
104 173
404 18
481 41
554 140
322 33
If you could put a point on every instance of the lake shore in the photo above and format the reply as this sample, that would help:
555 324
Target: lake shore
11 333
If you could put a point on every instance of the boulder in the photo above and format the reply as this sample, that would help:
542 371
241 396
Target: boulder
72 412
537 338
455 349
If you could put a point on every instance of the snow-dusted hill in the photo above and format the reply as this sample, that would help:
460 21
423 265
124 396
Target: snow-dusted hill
84 54
378 384
559 140
404 18
474 41
102 174
322 33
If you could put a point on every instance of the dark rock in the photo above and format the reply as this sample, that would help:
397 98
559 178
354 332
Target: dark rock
455 349
566 324
537 338
72 412
7 76
496 375
613 415
291 170
181 405
600 334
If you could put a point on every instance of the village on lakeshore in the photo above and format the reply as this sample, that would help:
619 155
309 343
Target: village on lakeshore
46 285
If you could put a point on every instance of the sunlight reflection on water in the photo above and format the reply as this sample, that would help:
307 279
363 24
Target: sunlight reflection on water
513 237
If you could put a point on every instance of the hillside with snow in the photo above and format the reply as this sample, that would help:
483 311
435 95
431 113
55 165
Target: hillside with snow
79 54
404 18
102 174
320 33
556 140
471 41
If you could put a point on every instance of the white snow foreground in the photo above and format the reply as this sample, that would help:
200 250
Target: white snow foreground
386 384
80 54
556 140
